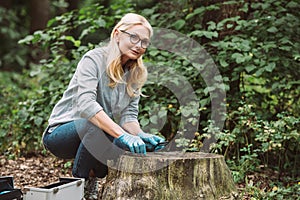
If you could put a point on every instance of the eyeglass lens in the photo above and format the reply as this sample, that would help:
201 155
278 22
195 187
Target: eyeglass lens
136 39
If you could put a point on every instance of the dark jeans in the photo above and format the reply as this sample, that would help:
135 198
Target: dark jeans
90 147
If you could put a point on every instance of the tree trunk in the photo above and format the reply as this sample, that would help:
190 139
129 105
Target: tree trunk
39 14
73 4
39 11
169 175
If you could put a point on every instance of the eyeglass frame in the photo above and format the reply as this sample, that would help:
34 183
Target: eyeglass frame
139 39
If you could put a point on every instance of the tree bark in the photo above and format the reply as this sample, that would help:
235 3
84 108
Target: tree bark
39 14
39 11
169 175
73 4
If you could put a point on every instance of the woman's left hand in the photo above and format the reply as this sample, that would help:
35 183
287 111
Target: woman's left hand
150 138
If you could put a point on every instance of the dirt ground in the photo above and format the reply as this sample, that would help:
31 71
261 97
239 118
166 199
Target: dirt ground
40 170
34 170
37 170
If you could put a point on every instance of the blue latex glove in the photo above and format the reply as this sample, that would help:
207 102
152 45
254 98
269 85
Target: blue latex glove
130 142
150 139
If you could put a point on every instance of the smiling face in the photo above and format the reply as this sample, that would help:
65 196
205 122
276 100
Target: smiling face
128 49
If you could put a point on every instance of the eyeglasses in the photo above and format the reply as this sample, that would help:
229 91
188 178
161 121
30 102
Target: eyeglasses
134 39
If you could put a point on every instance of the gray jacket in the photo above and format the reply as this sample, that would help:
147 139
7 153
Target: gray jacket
88 93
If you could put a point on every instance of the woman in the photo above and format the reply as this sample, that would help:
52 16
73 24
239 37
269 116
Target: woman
98 111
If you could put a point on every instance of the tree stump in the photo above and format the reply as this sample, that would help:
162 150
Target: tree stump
169 176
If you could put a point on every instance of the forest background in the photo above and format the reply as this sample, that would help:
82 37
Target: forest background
255 45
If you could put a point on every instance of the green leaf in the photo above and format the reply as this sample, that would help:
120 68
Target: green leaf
169 36
207 34
259 72
154 52
51 22
218 78
204 102
100 22
69 38
179 24
77 43
212 25
270 67
285 48
296 57
272 29
144 122
197 11
209 89
162 113
153 119
223 63
239 58
26 40
249 68
292 4
38 121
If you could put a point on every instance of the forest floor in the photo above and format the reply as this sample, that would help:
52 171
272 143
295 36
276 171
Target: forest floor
34 170
39 170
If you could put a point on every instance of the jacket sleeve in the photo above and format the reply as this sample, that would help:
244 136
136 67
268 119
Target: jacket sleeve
87 75
130 113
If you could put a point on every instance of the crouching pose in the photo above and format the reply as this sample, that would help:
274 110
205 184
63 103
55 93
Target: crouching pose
96 118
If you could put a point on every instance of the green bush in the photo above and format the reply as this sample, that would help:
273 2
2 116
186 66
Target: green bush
256 142
26 108
13 56
14 133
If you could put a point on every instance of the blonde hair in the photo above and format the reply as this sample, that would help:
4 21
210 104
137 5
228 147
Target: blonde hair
138 72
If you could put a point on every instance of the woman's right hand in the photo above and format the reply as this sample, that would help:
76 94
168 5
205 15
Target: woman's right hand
131 142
